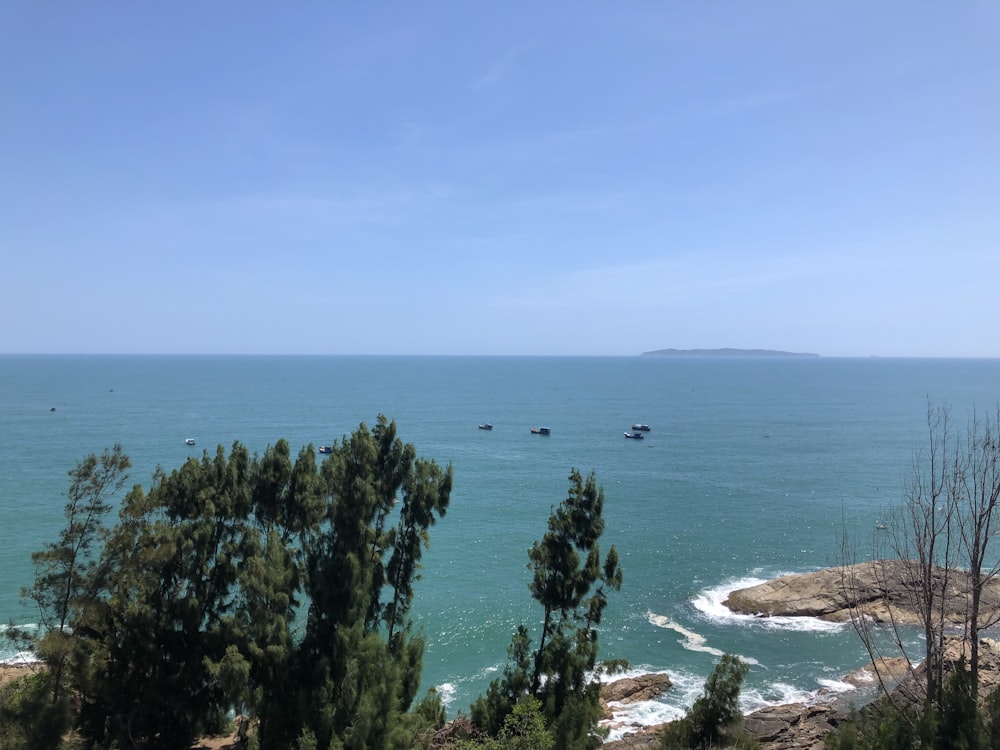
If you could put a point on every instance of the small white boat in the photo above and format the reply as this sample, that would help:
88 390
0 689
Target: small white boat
640 427
485 426
634 435
189 441
326 449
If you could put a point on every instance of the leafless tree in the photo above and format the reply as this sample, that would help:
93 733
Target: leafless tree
974 487
934 556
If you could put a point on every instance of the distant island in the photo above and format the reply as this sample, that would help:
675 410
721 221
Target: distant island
724 353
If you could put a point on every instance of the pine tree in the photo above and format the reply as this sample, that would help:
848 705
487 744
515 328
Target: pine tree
570 582
360 660
65 570
714 713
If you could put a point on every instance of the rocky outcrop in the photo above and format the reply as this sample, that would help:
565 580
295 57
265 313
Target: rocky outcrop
884 590
646 738
645 687
794 726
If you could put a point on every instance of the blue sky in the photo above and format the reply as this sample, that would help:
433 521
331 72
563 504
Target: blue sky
500 178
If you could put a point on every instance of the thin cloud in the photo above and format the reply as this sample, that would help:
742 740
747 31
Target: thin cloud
501 68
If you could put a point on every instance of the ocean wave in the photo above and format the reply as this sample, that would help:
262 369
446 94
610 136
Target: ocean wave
692 641
447 692
18 658
687 687
628 718
10 651
710 603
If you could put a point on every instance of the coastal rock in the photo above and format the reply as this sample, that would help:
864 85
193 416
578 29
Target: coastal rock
632 689
647 737
884 589
793 726
804 727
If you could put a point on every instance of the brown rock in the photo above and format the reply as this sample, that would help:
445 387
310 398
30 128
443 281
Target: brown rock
632 689
882 590
793 726
647 737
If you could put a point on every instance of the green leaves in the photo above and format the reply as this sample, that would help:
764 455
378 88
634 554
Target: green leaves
187 608
362 565
570 582
710 720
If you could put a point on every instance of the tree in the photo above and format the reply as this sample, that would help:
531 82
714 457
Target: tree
189 609
359 661
974 488
167 633
570 582
65 569
938 552
523 729
710 720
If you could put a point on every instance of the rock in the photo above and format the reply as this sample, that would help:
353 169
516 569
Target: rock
647 737
793 726
882 590
790 727
645 687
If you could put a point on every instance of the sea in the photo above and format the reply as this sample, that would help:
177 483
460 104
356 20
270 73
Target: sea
753 468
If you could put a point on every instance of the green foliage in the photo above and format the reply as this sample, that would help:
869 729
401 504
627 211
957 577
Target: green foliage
524 728
955 723
959 724
360 658
29 719
991 720
710 721
187 607
67 577
570 581
878 727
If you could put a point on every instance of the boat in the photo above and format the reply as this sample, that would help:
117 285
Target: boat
640 427
485 426
635 435
326 449
540 430
189 441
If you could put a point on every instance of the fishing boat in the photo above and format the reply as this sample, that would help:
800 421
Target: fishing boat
640 427
485 426
189 441
634 435
326 449
540 430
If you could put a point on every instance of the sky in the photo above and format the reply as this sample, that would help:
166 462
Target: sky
507 178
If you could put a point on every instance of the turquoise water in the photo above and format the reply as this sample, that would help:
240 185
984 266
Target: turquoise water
752 468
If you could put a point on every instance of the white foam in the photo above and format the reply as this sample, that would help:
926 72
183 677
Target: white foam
710 603
21 657
686 688
447 692
781 694
9 651
837 686
628 718
692 641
